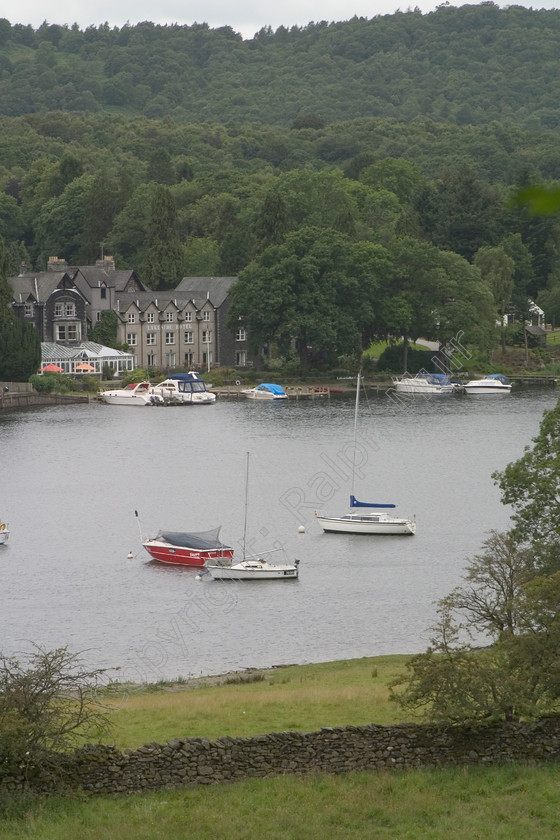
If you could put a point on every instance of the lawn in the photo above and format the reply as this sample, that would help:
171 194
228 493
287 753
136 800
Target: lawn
487 803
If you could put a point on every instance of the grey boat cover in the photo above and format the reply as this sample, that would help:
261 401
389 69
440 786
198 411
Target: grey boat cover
202 540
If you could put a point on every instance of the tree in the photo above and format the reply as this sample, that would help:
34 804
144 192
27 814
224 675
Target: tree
302 292
163 258
498 270
105 330
20 347
47 705
531 485
504 602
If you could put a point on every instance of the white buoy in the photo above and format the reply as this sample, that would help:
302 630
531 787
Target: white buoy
130 555
198 577
301 529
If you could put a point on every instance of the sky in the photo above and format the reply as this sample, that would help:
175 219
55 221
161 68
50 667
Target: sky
244 16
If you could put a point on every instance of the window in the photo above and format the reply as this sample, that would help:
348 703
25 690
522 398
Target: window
98 316
206 336
206 316
150 317
58 310
132 317
151 357
241 358
150 338
170 360
28 310
241 334
169 316
67 332
131 339
170 338
189 337
69 310
189 359
103 291
188 316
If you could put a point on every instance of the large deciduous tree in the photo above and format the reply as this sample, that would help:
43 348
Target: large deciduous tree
531 485
315 289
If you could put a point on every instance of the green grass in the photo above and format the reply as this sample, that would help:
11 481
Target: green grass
486 803
303 698
500 803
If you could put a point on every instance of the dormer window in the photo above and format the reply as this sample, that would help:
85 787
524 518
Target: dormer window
150 317
188 316
206 316
132 317
69 310
58 310
169 316
103 292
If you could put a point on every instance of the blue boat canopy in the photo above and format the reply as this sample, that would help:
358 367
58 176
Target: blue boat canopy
499 376
186 377
269 386
355 503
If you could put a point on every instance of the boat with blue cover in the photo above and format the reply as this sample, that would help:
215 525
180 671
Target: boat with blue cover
265 391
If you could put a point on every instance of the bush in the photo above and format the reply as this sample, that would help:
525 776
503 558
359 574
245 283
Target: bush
47 705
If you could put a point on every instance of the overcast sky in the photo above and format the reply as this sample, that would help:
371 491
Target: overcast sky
244 16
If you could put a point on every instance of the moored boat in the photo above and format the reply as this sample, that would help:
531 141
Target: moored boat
265 391
4 533
137 393
188 549
184 388
493 383
254 569
424 383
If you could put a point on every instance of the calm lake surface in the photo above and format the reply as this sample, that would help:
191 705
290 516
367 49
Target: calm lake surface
73 476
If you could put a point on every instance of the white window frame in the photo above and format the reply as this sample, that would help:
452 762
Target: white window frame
69 309
189 337
241 334
188 316
206 315
207 336
150 339
131 339
150 318
170 338
58 310
132 317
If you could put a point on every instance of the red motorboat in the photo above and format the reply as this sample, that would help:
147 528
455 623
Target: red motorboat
188 549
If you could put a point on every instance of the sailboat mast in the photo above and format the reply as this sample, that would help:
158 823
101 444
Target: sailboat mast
246 503
355 430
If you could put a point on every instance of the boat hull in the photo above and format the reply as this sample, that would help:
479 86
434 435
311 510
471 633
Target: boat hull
253 571
4 534
487 389
130 399
374 524
182 556
411 387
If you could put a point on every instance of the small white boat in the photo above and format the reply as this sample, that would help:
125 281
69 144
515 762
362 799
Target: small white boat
424 383
254 569
251 567
367 522
137 393
188 388
494 383
375 520
265 391
4 533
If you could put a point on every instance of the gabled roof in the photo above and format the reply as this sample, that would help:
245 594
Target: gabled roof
39 285
117 279
199 288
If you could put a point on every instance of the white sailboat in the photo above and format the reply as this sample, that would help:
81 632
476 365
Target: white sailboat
253 567
365 517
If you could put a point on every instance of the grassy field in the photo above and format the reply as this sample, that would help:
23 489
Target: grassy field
487 803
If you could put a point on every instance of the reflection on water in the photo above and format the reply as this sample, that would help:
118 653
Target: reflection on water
74 475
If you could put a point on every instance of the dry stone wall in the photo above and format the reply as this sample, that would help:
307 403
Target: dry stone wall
199 761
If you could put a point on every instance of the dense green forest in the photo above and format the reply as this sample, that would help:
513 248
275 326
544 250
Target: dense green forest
467 65
384 153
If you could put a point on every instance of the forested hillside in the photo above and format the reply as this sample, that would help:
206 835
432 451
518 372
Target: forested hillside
384 153
467 65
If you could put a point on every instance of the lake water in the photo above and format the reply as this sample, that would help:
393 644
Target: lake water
73 476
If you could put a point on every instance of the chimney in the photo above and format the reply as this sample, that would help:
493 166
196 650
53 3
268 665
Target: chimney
54 264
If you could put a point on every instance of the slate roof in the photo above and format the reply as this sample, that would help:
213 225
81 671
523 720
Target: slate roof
198 288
